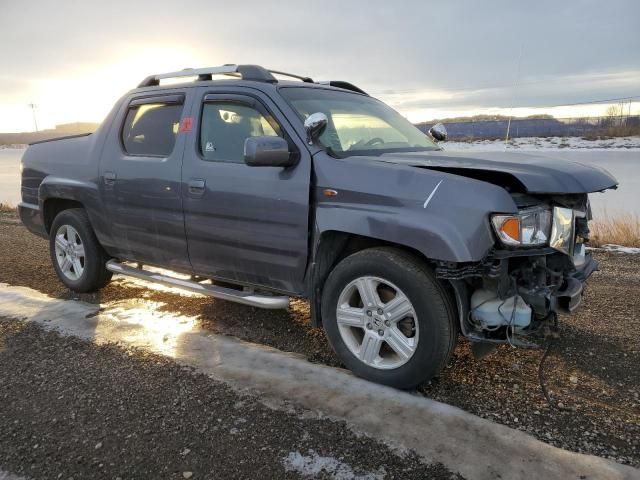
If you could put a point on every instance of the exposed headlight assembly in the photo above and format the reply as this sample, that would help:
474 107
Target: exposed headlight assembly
563 231
529 227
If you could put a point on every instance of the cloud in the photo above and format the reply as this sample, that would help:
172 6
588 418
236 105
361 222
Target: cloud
543 92
463 52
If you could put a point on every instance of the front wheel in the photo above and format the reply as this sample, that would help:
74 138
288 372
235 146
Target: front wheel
78 258
388 318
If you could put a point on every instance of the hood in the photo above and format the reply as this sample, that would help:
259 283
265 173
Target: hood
518 171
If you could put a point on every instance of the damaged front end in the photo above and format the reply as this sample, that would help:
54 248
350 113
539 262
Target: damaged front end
537 269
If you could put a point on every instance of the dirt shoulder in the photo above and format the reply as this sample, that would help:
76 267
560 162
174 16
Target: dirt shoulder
593 369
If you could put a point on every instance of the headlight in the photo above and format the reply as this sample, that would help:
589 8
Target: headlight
563 232
529 227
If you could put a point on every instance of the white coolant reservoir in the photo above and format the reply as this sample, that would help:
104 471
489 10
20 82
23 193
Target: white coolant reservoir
491 312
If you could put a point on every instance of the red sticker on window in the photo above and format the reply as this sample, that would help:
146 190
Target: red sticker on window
187 124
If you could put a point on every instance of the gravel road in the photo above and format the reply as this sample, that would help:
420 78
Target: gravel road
593 370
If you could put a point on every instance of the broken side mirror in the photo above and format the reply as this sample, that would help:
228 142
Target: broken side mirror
438 132
314 125
267 152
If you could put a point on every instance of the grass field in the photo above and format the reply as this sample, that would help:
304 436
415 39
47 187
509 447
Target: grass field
619 230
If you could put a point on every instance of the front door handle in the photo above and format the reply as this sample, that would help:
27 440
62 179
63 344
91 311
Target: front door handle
196 187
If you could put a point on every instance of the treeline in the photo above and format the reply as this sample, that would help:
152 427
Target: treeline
485 118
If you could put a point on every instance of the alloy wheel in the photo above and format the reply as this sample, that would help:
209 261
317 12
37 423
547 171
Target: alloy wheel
377 322
70 253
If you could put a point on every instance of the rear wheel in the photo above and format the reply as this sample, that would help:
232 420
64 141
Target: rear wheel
78 258
388 318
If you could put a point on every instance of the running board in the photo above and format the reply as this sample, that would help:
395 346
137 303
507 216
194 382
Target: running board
247 298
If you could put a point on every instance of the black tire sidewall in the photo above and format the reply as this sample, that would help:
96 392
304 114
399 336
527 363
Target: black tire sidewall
94 260
428 299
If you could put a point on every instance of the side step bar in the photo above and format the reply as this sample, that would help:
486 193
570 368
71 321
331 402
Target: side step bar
247 298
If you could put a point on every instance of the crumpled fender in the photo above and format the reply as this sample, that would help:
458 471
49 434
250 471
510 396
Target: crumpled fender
443 216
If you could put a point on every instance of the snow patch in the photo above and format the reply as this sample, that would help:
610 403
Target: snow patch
545 143
313 464
10 476
610 247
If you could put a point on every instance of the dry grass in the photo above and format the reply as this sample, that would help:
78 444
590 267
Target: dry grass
4 208
619 230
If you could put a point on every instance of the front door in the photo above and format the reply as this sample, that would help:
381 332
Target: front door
245 224
140 181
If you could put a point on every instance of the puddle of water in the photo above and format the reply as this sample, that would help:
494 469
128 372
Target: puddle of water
148 327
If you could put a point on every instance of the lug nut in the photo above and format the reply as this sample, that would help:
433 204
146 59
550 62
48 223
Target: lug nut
381 332
369 313
380 311
387 323
369 326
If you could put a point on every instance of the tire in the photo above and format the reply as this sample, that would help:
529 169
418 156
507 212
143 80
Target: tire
72 239
427 324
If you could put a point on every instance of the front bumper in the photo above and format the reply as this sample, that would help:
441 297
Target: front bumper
549 282
569 298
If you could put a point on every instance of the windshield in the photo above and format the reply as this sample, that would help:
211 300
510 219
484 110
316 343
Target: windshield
358 125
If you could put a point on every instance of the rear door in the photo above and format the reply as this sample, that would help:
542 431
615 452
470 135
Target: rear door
245 224
140 180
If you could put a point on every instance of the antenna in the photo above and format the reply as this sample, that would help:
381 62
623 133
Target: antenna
515 86
33 111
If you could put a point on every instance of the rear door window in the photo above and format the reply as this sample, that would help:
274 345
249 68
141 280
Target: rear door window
151 126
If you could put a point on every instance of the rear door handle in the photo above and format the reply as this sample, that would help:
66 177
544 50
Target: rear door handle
109 178
196 187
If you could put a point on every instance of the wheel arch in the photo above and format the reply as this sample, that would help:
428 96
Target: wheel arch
332 246
56 194
51 207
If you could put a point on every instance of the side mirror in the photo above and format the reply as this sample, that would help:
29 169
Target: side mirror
267 152
315 125
438 132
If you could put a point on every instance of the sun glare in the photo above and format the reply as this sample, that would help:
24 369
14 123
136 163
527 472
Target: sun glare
88 93
146 325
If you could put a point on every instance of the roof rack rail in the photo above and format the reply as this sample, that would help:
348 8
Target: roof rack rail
293 75
344 85
246 72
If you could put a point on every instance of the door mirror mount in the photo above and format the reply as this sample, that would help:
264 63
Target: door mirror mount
314 125
438 132
267 152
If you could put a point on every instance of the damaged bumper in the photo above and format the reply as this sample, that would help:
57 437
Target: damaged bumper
510 295
569 298
518 289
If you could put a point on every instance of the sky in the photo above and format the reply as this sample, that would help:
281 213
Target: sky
428 59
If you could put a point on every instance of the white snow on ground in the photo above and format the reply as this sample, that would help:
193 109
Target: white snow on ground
313 464
546 143
464 443
619 249
9 476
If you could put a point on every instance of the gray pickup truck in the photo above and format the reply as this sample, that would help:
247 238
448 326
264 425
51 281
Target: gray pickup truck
254 189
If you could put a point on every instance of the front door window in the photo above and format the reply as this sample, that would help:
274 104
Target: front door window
226 126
